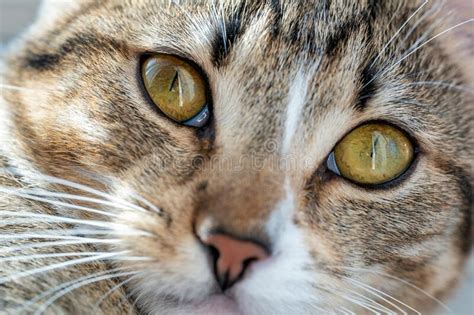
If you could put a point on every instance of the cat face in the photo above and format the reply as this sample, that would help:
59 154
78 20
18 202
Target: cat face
250 193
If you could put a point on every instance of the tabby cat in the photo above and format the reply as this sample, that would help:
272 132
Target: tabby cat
236 157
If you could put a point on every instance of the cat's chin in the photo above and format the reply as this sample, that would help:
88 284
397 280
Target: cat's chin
218 304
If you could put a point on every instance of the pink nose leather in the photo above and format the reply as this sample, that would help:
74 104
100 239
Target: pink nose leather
234 256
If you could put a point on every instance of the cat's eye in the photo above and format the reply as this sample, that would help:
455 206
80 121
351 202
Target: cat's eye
177 88
372 154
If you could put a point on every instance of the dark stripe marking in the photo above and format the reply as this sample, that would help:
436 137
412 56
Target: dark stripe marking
221 45
80 45
368 87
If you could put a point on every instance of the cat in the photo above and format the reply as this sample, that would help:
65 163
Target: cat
235 157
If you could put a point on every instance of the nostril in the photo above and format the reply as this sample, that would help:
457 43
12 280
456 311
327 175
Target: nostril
232 257
214 252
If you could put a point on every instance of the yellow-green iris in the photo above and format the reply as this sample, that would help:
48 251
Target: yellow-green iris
175 86
373 153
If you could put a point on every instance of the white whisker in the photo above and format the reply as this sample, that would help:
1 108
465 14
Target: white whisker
398 32
61 265
76 286
380 294
23 89
41 296
44 256
79 241
348 311
359 303
409 284
370 302
59 219
72 232
67 183
108 293
18 193
418 47
435 7
45 193
449 85
10 237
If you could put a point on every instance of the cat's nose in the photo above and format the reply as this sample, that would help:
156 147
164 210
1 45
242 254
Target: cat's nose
233 257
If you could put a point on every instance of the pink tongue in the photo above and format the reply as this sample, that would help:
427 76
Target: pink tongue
218 305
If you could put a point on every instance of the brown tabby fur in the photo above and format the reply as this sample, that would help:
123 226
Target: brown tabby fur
81 114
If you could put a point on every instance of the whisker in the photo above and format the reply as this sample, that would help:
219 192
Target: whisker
359 303
61 265
73 232
42 295
82 241
371 290
23 89
409 284
76 286
44 256
348 311
38 236
397 33
108 182
54 202
67 183
45 193
434 8
442 84
418 47
370 302
53 218
108 293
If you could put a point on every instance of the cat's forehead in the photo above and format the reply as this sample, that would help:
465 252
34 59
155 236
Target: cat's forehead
324 62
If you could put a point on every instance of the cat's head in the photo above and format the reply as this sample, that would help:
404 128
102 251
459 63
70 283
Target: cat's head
271 192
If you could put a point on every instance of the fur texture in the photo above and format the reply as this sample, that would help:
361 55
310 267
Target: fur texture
89 166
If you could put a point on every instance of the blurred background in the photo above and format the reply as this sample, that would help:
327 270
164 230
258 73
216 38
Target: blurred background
16 15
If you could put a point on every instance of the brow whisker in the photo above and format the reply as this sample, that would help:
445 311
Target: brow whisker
449 85
397 33
418 47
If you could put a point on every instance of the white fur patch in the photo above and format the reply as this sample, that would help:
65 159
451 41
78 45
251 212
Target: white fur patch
261 291
294 110
77 117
